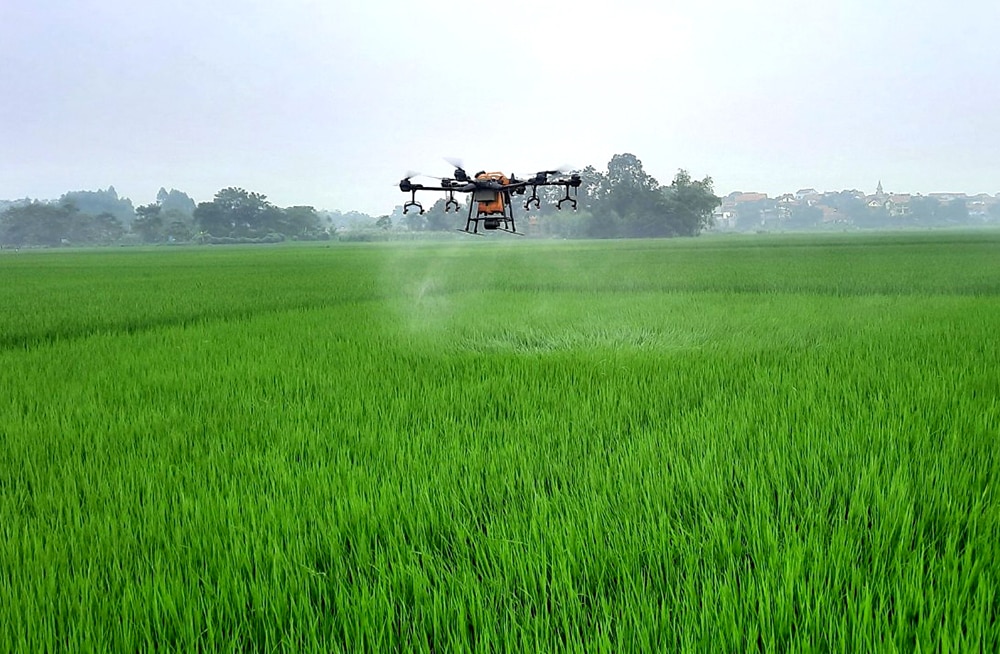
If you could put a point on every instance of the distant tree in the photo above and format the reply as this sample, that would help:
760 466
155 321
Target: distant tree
848 204
332 221
300 222
238 213
40 223
174 200
603 224
384 223
212 218
148 223
623 201
593 188
873 217
36 223
413 220
994 211
94 203
177 227
355 218
924 211
804 215
634 196
102 229
750 215
436 219
565 224
956 211
628 201
689 205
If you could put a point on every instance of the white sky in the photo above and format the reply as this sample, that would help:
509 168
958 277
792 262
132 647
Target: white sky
330 103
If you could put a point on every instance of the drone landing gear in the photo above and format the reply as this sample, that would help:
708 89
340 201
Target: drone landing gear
412 202
566 198
491 225
533 200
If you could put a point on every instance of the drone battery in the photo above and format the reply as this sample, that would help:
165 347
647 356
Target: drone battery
484 195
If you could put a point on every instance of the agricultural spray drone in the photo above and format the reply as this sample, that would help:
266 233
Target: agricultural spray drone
491 195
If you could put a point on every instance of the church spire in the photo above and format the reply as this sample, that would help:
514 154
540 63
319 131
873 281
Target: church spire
879 191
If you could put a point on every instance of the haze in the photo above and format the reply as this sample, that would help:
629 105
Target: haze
329 104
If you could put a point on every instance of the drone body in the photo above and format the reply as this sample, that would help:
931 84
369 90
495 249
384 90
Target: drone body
491 195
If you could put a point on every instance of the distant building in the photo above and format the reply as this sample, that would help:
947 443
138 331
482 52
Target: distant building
880 200
898 204
745 211
749 197
947 197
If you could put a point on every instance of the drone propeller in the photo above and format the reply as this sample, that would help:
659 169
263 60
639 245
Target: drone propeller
406 185
560 170
460 174
543 175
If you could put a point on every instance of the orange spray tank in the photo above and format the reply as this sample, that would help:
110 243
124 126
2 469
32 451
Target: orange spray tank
489 202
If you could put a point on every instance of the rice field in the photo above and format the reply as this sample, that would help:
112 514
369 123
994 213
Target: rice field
716 444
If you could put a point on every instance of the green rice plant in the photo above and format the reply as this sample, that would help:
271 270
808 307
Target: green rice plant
728 444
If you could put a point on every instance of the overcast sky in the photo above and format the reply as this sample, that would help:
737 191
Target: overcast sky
330 103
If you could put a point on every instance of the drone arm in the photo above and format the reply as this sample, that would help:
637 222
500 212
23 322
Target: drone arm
450 188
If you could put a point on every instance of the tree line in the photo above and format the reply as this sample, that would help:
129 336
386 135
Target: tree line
104 218
621 201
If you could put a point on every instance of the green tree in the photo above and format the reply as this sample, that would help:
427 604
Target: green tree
925 211
301 222
689 206
436 219
634 196
174 200
628 201
593 188
212 218
177 227
102 229
94 203
148 223
40 223
994 211
36 223
413 220
848 204
955 211
603 224
238 213
804 215
623 200
873 217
